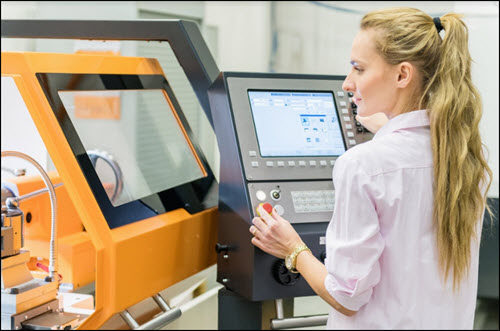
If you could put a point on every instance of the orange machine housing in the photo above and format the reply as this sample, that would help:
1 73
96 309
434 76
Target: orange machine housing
134 261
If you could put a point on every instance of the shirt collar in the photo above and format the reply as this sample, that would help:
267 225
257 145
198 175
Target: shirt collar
413 119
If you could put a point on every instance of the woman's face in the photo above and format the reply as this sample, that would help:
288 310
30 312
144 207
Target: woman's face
371 79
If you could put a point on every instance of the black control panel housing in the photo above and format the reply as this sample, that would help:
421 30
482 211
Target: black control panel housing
300 188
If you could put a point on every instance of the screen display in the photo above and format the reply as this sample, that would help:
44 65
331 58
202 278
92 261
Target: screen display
293 123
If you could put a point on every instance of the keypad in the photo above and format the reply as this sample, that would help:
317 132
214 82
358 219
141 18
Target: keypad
313 201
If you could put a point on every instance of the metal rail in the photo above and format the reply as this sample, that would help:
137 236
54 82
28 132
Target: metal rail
169 314
280 322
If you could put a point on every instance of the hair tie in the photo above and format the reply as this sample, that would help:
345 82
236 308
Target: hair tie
437 23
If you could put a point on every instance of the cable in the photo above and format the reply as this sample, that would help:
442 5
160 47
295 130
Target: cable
53 203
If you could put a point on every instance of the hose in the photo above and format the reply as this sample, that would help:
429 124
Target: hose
53 204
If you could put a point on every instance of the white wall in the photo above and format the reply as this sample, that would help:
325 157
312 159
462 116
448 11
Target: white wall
481 18
244 38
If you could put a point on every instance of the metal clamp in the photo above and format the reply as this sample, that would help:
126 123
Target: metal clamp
280 322
168 315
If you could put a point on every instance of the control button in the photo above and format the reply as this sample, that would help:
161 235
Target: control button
352 141
353 105
360 129
347 119
255 164
348 126
312 163
252 153
350 94
350 134
332 162
261 195
291 163
281 164
279 209
275 194
322 163
355 112
270 163
302 163
358 124
343 104
340 93
344 111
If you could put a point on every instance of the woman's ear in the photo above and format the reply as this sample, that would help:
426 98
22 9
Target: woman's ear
406 73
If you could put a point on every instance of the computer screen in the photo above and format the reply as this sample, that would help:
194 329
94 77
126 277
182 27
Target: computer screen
296 123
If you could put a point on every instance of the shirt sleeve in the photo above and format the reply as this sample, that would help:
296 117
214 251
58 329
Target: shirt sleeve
353 240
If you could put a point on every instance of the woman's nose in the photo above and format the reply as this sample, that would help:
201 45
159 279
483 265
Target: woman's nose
348 85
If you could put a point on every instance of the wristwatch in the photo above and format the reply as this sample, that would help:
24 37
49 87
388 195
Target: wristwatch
291 260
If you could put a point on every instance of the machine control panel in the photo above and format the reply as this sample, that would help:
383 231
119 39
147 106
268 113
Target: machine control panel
279 136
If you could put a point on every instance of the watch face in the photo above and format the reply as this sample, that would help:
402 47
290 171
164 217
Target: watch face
288 262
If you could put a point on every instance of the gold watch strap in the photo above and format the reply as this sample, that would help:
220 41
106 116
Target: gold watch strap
299 249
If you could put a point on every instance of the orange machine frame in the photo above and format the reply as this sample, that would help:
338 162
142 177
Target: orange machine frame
137 260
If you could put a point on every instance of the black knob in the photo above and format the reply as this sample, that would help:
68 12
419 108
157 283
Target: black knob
350 94
221 248
360 129
283 275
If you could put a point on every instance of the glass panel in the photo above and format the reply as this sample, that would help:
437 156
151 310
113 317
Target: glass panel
125 126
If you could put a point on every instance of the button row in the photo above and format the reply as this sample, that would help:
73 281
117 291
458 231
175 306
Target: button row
270 164
341 94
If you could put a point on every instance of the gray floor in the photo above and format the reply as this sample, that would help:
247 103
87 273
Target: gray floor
486 315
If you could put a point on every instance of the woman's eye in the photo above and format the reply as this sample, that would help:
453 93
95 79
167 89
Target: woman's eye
358 69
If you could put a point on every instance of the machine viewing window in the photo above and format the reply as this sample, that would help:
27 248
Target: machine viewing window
296 123
132 143
139 129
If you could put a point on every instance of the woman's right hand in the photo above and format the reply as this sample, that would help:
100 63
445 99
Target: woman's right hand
373 122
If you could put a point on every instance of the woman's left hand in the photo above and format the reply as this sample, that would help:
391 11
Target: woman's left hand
273 234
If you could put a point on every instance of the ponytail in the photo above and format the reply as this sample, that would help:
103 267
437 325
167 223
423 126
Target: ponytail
459 164
455 109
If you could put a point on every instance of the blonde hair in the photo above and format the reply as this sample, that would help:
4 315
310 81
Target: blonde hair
455 109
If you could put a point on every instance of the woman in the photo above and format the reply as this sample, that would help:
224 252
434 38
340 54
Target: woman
403 243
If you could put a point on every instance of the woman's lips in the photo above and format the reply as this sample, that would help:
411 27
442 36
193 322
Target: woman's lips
355 100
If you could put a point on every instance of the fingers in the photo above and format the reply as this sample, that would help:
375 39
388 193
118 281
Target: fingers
258 243
266 216
277 216
259 224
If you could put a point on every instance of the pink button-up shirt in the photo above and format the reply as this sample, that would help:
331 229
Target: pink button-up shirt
382 259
